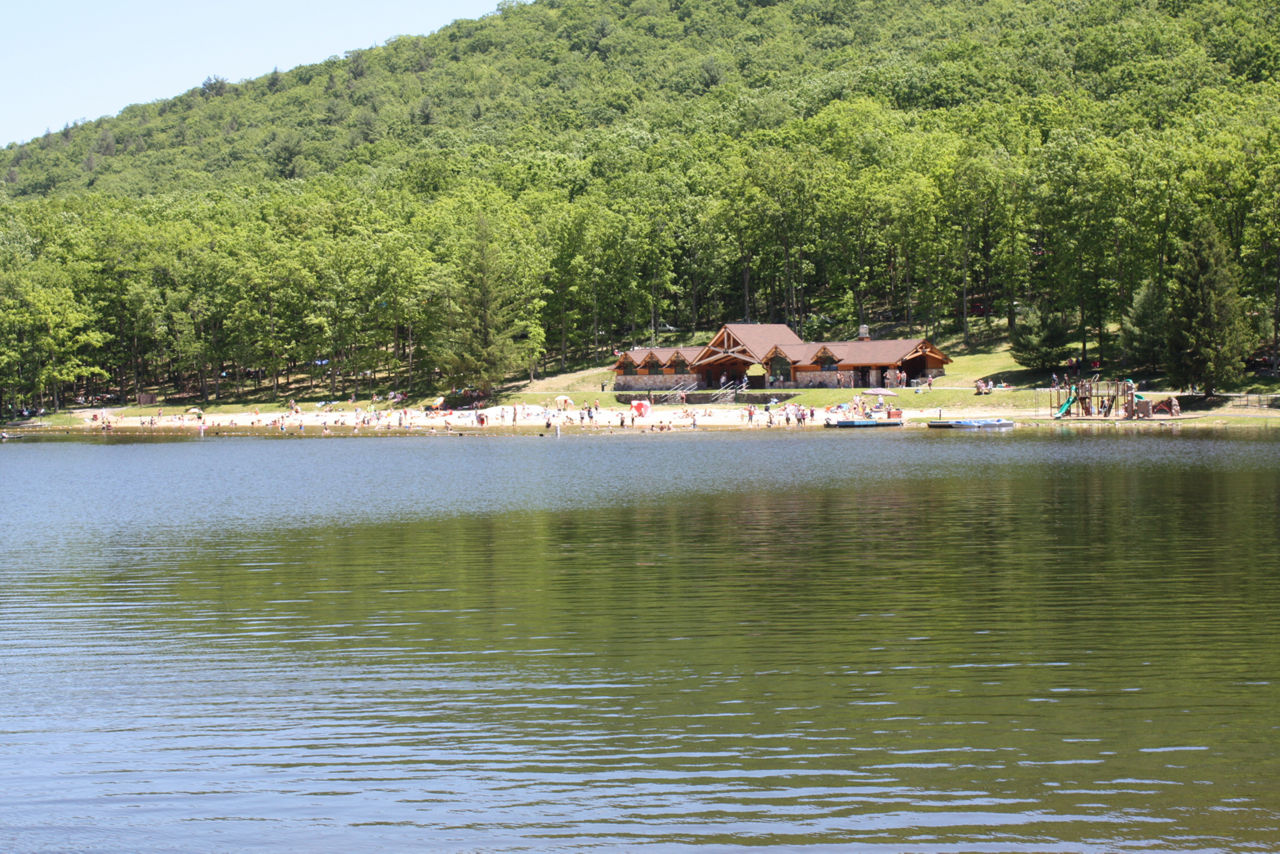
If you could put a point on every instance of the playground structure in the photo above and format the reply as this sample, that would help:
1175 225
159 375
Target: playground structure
1095 398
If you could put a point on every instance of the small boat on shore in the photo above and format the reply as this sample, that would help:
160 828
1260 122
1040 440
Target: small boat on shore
971 423
865 422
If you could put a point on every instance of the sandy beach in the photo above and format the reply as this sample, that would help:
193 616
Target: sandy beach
353 420
349 420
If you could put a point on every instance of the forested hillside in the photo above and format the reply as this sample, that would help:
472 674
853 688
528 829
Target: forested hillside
567 176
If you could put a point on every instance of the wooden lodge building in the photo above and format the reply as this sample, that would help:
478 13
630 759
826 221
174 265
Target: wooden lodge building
771 355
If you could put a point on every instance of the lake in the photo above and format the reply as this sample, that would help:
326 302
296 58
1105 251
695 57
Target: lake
1038 640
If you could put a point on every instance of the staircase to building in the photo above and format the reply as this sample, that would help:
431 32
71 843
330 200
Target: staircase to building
729 393
675 394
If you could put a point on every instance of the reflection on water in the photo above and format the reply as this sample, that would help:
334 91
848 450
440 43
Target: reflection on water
1024 642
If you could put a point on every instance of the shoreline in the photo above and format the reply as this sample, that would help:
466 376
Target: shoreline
532 421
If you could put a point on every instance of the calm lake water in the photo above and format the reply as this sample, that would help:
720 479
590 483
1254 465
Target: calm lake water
1032 641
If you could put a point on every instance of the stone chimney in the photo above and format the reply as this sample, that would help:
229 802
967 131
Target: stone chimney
864 334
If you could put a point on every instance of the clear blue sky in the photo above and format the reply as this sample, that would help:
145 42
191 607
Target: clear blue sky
71 60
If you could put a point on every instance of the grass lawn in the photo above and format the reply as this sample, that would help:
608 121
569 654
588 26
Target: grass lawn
995 365
50 419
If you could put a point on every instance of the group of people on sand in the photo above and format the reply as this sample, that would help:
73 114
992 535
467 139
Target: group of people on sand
787 414
861 408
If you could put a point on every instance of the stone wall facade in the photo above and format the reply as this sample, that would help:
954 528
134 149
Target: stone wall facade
702 398
652 382
868 378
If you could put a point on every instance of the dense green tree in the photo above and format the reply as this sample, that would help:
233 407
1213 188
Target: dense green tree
55 330
494 286
1041 341
1146 329
1261 251
1209 336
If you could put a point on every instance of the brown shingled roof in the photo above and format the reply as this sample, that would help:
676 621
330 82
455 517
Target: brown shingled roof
760 338
666 354
796 353
640 355
756 342
749 342
887 352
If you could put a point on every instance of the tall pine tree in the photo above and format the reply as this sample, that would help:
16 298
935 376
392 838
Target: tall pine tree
1041 341
496 272
1145 332
1209 336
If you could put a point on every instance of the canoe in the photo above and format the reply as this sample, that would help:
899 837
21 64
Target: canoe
971 423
